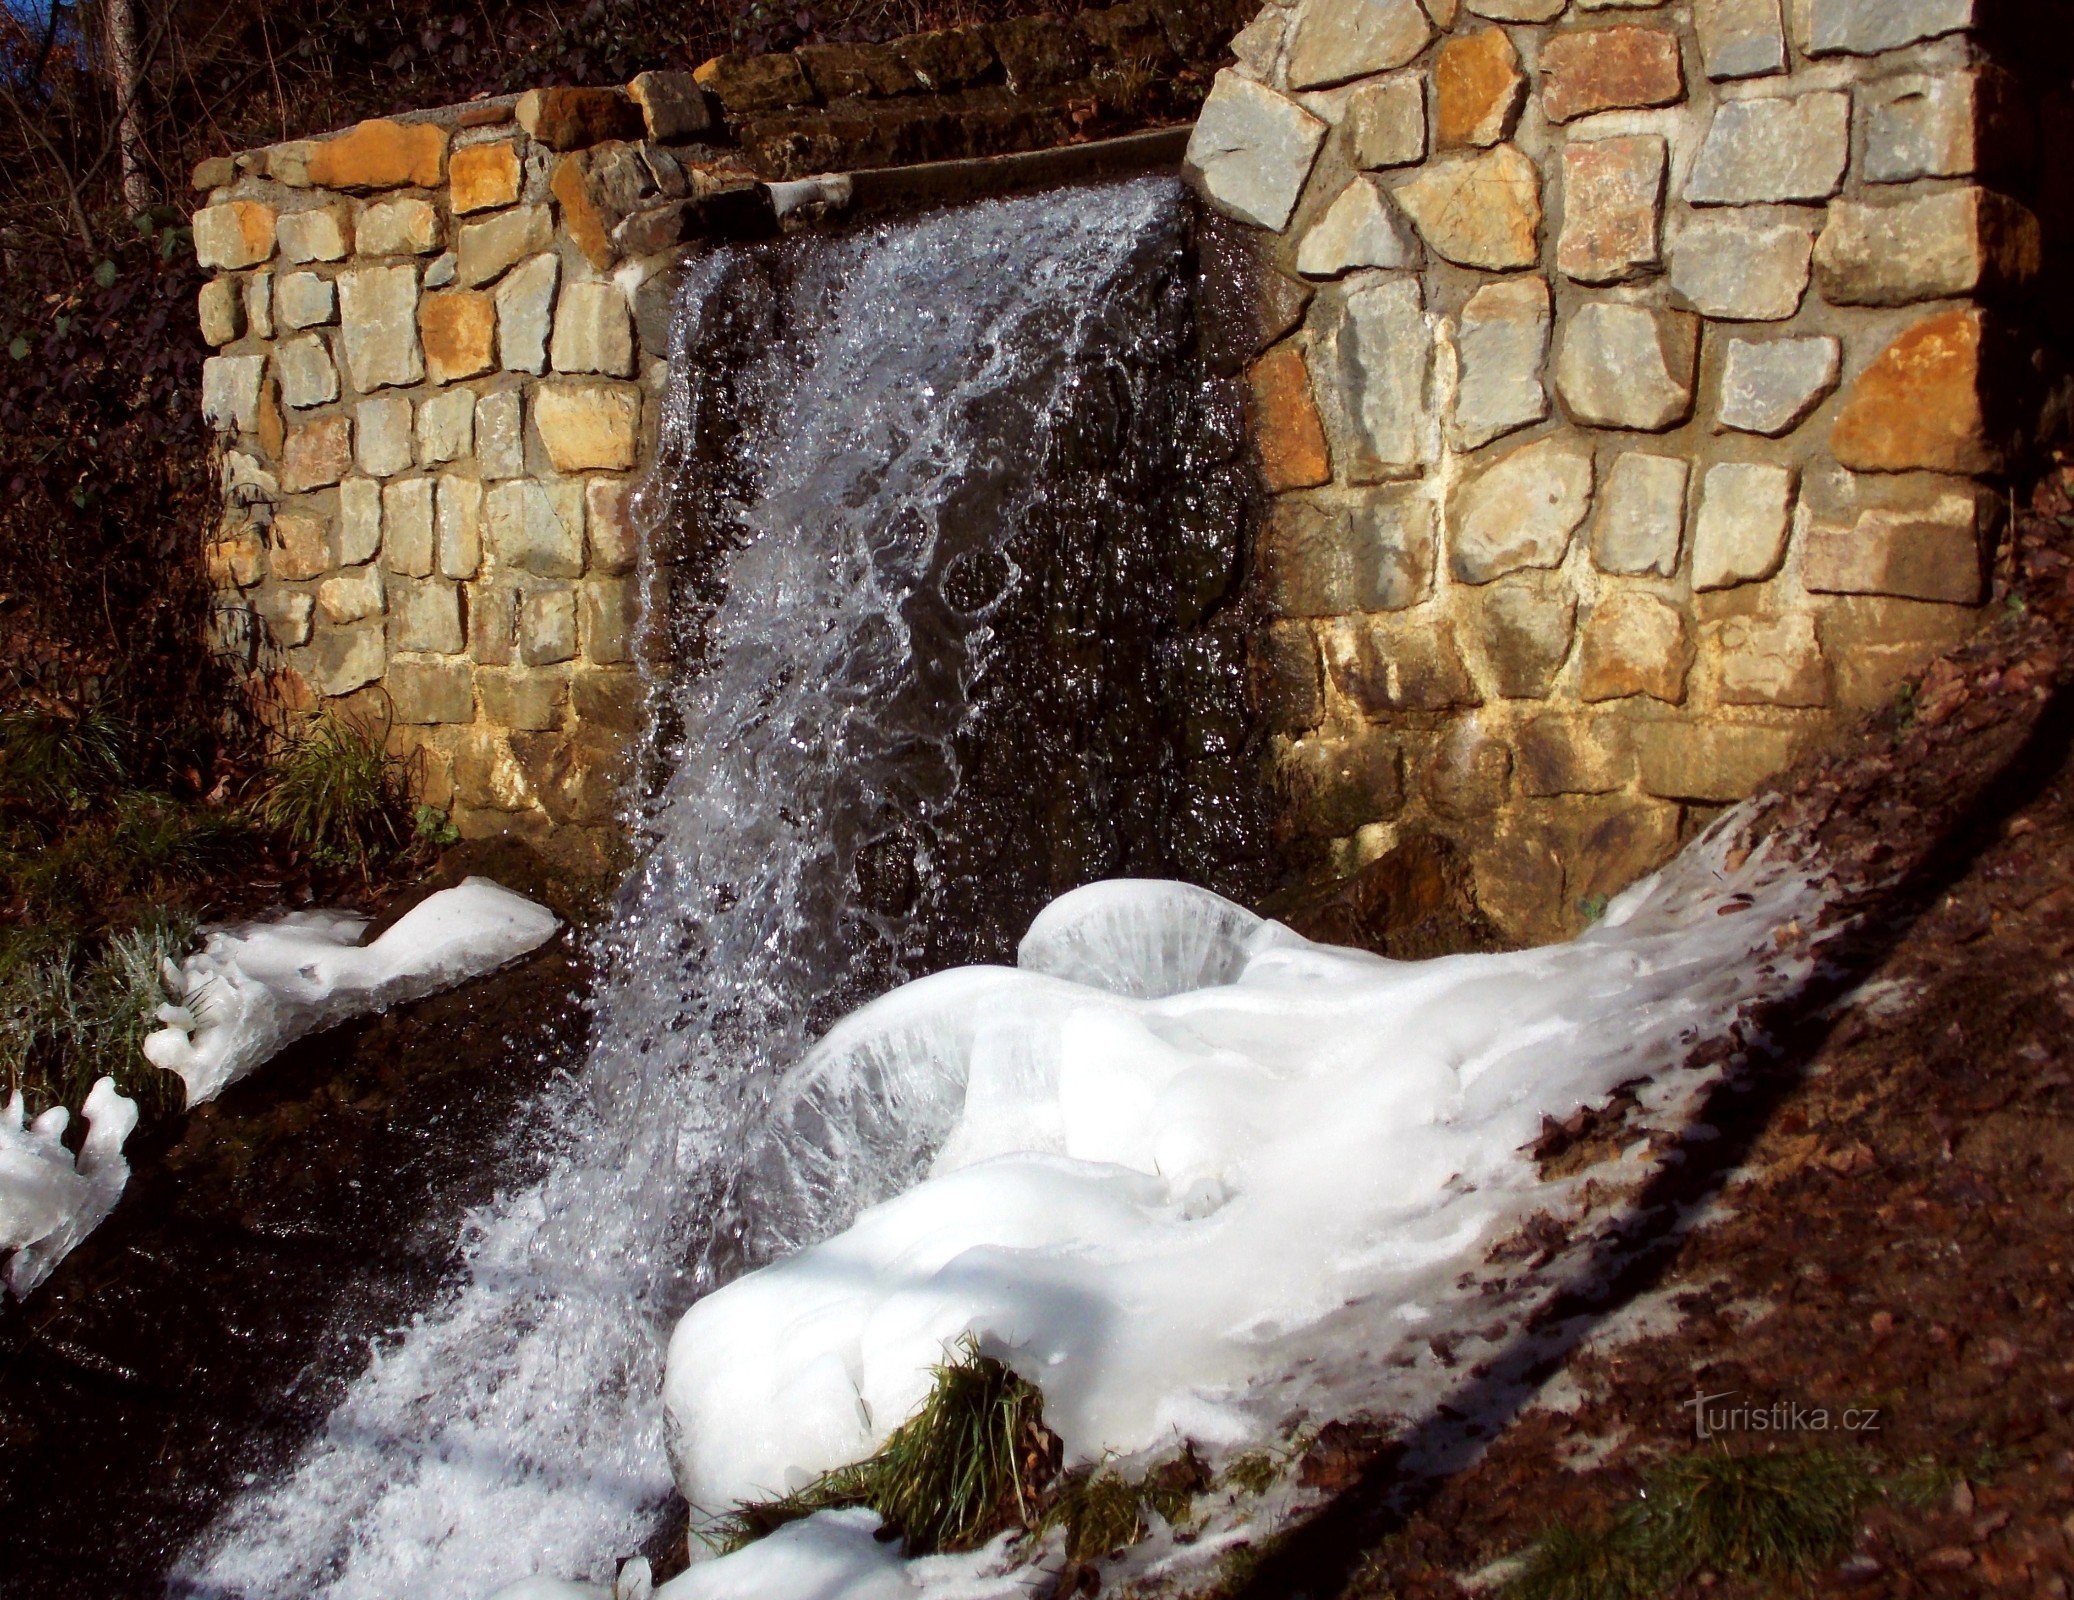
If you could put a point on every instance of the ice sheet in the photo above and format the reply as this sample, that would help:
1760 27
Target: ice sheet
252 991
48 1200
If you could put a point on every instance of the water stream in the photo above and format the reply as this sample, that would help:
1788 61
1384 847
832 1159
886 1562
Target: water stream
945 526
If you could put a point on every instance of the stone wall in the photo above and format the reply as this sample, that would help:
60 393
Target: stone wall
1634 380
440 345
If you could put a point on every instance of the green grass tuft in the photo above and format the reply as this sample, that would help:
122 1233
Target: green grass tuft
1755 1516
333 789
72 1012
972 1463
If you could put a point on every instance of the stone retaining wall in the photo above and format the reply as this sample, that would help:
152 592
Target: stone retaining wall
441 338
1636 379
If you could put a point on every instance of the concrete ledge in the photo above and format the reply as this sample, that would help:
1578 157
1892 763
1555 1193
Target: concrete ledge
944 183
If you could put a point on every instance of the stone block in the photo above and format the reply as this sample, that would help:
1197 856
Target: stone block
1253 151
1336 41
1555 755
287 614
547 627
1285 676
1918 405
1943 125
530 701
601 188
1282 415
492 610
458 328
615 543
1635 644
1737 270
382 435
1479 211
485 250
1323 557
588 426
1629 366
230 392
1930 550
1740 38
1373 350
237 560
322 234
484 177
307 376
673 106
238 233
407 523
1501 348
1712 763
446 427
1478 90
1362 228
1783 149
1385 122
259 305
1772 386
608 610
573 119
1517 10
213 172
1522 627
221 306
1590 70
1767 661
1874 643
1739 534
593 330
339 660
378 311
947 58
1386 665
1468 773
1945 246
351 596
300 540
316 454
525 314
425 616
380 155
459 526
359 521
1613 202
744 84
426 693
1872 27
536 527
500 445
304 300
1521 511
403 226
1331 787
1640 526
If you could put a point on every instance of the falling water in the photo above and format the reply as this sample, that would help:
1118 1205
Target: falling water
944 525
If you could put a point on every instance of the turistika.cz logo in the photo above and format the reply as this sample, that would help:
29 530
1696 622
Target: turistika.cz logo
1715 1415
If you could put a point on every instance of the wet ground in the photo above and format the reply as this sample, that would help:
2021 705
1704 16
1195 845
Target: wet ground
264 1241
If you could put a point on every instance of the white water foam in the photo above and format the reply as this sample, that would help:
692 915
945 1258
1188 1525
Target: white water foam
516 1427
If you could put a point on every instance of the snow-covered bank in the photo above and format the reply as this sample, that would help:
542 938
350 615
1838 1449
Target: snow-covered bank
48 1200
250 992
1175 1142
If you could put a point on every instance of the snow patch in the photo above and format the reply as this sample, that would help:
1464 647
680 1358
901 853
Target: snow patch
250 992
48 1200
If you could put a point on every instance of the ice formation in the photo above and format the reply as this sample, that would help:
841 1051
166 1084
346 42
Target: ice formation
1182 1136
835 1556
250 992
48 1200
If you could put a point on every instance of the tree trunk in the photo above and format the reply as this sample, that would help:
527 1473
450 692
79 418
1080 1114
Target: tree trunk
127 82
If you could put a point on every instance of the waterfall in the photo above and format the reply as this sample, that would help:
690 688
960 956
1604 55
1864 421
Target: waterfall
943 525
